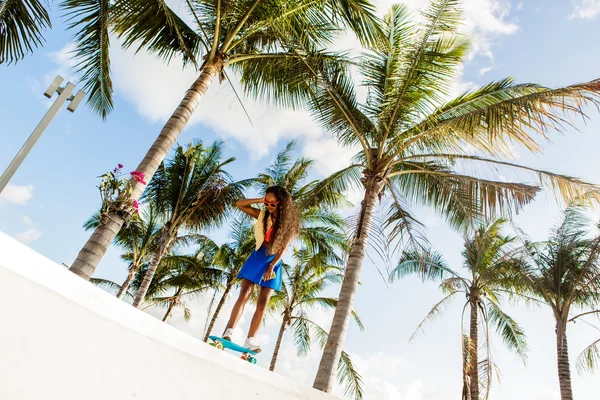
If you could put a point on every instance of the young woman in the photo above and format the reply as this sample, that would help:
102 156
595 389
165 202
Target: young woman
274 230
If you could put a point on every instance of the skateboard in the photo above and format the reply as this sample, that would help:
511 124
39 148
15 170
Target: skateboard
222 344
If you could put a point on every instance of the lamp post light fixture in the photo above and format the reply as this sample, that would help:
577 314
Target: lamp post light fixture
64 94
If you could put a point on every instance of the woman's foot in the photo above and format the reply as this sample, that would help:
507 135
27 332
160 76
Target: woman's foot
252 344
228 334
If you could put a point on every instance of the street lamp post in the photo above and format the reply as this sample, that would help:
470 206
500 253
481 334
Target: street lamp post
64 94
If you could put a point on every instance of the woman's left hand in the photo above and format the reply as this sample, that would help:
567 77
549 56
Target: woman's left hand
269 274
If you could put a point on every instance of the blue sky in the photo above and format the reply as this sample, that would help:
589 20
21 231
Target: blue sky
551 42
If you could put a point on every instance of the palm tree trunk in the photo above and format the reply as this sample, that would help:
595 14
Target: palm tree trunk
335 341
96 246
278 344
474 356
140 294
564 369
213 320
127 282
173 304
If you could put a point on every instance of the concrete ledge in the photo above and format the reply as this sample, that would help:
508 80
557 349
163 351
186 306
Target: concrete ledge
63 338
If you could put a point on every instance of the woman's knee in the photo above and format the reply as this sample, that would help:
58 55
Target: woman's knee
245 291
263 299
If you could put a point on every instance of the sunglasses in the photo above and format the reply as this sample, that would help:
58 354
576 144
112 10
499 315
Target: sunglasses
271 204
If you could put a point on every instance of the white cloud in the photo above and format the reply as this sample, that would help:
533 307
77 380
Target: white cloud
585 9
15 194
520 6
485 20
156 89
26 220
485 70
65 65
388 377
29 235
328 155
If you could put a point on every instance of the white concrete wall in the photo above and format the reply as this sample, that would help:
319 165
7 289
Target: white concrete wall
63 338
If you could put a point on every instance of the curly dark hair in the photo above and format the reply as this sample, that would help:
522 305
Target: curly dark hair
287 225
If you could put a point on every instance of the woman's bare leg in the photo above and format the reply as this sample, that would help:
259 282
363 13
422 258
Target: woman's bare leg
238 308
261 306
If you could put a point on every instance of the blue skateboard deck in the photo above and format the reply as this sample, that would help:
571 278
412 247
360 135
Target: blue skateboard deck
221 343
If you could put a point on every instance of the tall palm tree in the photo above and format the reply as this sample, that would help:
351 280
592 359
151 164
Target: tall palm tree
192 192
414 145
564 272
137 239
249 37
21 26
302 290
230 258
489 257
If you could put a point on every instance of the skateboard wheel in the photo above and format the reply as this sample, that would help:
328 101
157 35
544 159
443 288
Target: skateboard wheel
219 345
252 360
244 357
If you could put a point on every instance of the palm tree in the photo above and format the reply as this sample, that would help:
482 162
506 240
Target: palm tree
489 257
564 272
181 277
249 37
303 284
414 145
230 258
137 239
192 192
21 26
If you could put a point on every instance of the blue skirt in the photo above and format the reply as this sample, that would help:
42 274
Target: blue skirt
255 266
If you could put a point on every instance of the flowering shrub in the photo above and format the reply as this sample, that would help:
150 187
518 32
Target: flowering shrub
115 192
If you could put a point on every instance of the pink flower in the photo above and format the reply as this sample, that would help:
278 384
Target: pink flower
138 176
136 206
120 166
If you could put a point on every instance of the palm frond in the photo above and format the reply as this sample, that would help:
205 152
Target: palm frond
435 312
153 26
21 26
459 198
109 285
302 337
428 264
429 65
567 189
512 334
91 18
329 192
499 114
349 376
589 359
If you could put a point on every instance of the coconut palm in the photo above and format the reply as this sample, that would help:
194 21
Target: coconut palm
192 192
248 37
414 145
302 290
564 272
230 258
21 26
489 258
